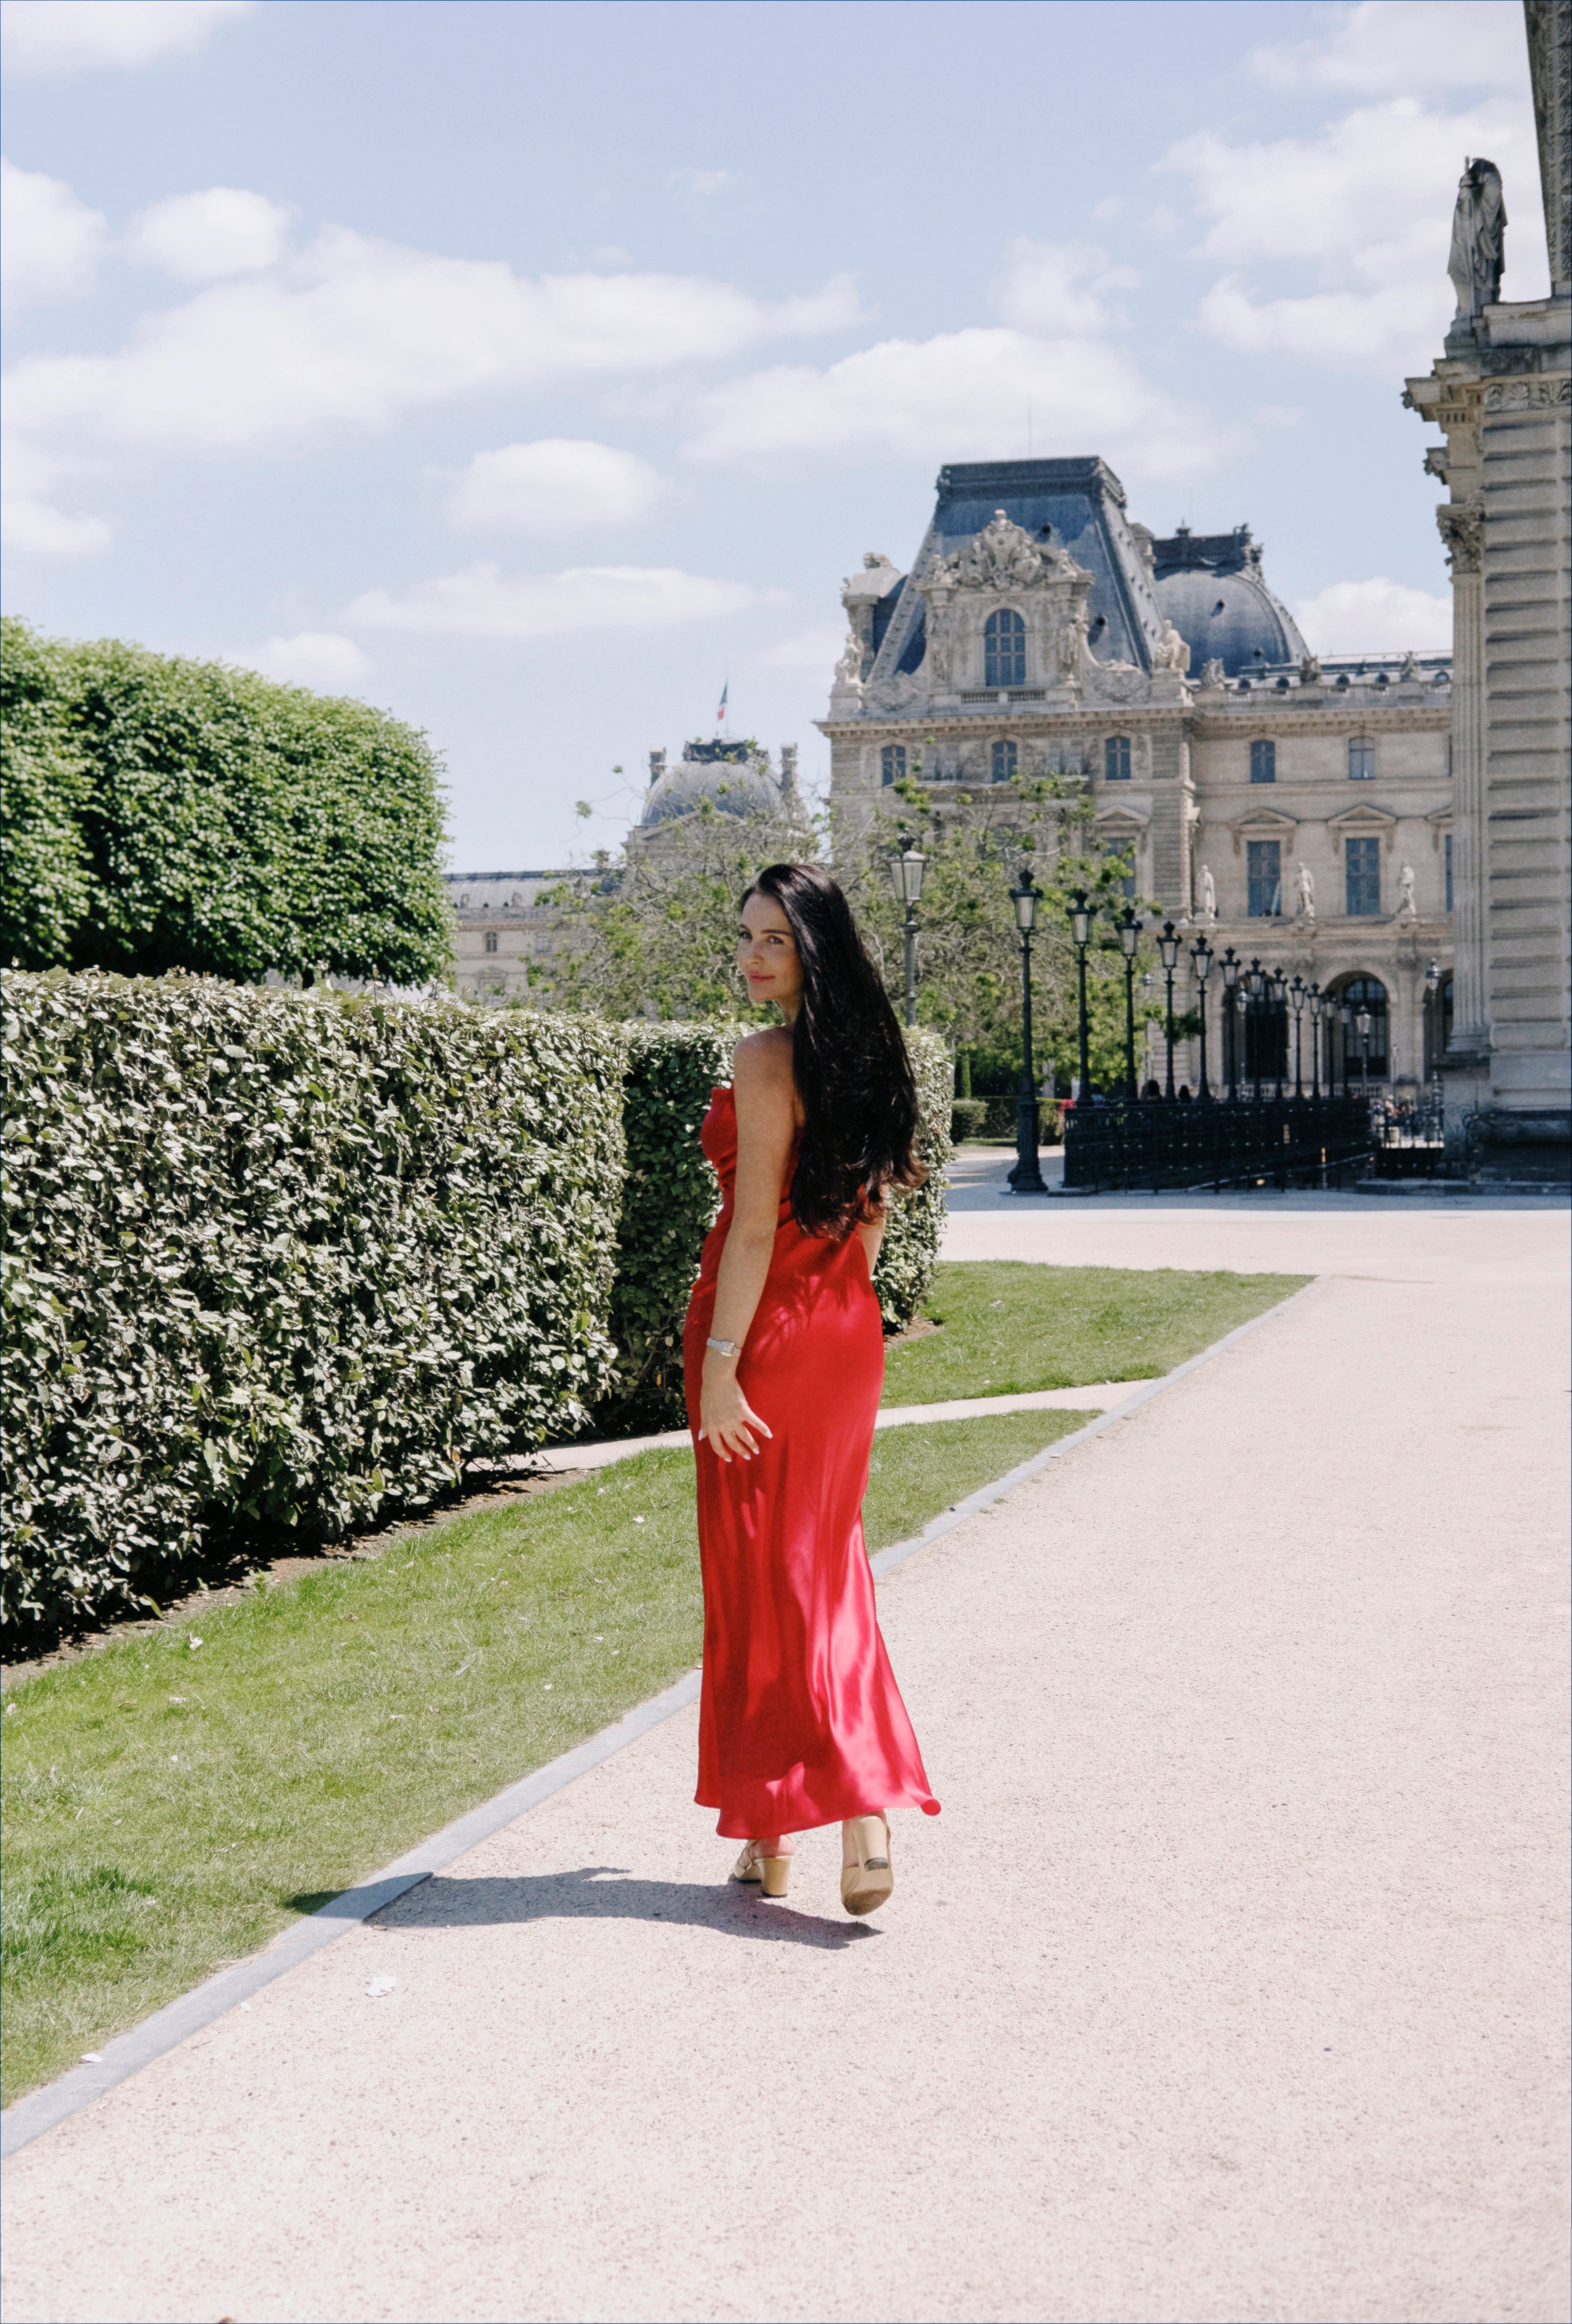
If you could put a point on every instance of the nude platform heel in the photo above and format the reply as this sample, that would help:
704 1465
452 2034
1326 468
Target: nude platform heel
868 1883
773 1873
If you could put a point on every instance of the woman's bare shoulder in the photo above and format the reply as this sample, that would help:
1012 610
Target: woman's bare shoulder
763 1060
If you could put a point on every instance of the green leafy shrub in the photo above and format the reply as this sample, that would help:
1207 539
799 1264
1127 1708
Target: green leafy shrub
207 820
669 1201
910 1249
966 1117
276 1264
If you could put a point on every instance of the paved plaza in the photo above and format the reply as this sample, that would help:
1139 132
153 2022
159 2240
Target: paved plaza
1230 1984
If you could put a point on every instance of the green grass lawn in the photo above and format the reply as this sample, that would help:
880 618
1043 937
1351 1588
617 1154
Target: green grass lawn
169 1805
1010 1326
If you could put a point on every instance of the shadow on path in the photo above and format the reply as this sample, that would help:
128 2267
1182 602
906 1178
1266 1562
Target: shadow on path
607 1892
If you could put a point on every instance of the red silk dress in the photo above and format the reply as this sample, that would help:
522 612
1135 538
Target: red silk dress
800 1720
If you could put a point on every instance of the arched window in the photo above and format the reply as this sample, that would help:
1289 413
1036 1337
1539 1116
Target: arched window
1263 762
892 763
1004 761
1116 759
491 939
1369 993
1004 642
1361 759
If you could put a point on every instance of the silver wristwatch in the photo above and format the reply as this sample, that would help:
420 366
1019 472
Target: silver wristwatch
724 1346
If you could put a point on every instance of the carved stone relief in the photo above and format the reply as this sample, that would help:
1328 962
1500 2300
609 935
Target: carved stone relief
1527 394
1461 524
1117 681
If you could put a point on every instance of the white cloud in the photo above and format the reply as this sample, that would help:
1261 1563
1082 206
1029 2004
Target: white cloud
1059 288
484 602
1367 206
200 237
36 528
963 396
553 486
1376 616
1279 415
1405 44
321 659
355 332
50 243
39 37
703 182
813 651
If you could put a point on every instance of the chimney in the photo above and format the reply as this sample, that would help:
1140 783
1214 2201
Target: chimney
788 770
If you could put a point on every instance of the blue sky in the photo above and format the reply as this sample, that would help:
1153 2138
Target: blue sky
532 369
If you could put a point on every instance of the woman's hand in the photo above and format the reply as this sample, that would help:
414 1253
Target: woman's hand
727 1421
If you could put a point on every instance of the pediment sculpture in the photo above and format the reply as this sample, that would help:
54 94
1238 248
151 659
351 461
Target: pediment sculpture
1004 557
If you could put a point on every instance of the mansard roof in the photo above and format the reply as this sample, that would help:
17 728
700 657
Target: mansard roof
1078 506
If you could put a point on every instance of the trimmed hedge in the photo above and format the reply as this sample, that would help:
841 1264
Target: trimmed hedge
163 814
671 1198
275 1264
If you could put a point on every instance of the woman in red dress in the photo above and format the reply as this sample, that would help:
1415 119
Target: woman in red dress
800 1720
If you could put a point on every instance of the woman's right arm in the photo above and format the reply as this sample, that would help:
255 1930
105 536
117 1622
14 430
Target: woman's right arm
764 1095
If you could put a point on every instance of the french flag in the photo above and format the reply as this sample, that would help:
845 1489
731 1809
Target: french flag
720 713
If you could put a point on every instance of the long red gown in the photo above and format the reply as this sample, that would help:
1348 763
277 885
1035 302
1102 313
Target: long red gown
800 1720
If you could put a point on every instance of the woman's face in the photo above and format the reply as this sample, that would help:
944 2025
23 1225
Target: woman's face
767 954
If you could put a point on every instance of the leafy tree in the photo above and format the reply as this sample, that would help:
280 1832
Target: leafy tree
210 820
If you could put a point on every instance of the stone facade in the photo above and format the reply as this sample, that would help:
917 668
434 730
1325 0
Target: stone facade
1502 395
503 931
1299 810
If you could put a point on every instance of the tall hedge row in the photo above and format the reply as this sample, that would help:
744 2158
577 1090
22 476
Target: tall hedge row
161 814
670 1200
276 1263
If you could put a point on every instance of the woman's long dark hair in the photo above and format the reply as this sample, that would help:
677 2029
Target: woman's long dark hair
849 1059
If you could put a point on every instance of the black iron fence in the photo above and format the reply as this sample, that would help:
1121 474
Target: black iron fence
1317 1141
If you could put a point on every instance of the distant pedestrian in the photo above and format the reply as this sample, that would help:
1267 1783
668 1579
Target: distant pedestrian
800 1721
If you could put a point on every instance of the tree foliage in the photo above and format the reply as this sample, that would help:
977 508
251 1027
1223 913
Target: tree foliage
164 814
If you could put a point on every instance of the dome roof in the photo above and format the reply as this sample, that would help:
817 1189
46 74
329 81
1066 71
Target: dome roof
732 777
1211 588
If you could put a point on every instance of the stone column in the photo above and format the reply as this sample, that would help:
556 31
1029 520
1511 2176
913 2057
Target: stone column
1461 529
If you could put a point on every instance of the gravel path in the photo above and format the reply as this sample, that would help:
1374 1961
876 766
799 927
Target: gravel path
1230 1982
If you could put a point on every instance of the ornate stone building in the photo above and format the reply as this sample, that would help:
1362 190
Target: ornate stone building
1501 396
1299 810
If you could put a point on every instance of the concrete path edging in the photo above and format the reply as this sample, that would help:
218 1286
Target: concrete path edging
40 2110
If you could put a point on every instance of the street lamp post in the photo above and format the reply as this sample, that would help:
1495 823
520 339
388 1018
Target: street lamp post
1201 957
1026 1177
1231 966
1082 916
1298 996
1317 1006
1362 1023
1254 994
1276 1002
906 871
1168 944
1345 1026
1129 934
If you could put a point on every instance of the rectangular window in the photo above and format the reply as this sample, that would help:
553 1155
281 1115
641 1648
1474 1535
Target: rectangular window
1361 759
1263 762
491 939
1265 877
1362 872
1446 848
1004 762
892 763
1116 759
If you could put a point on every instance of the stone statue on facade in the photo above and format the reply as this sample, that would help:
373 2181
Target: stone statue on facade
1410 667
1478 239
1171 652
1309 669
849 669
1211 676
1407 909
1305 888
1207 892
